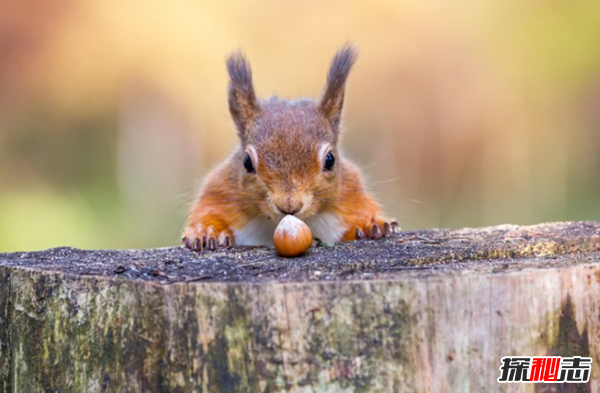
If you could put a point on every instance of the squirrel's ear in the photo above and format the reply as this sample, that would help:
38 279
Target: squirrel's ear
243 105
333 97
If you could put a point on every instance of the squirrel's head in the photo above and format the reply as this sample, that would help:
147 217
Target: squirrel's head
289 162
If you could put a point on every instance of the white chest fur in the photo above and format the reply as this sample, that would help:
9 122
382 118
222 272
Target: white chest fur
259 232
327 227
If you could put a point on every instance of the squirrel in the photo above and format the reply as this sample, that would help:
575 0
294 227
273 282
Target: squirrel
288 162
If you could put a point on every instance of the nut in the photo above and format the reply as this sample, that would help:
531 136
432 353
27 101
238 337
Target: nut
292 237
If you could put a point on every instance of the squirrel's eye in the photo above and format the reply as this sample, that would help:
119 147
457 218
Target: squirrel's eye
248 163
329 161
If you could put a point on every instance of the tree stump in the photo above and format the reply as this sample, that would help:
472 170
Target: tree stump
424 311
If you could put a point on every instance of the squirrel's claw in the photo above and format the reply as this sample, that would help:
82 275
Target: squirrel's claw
224 239
376 228
198 238
376 232
359 234
211 242
197 246
387 229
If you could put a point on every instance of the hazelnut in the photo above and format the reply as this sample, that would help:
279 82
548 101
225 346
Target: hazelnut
292 237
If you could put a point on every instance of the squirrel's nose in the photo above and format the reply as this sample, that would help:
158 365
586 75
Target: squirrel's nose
290 207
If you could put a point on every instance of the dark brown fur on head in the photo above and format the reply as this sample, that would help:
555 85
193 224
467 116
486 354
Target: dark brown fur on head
288 141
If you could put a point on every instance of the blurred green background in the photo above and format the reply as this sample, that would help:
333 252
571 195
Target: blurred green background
462 113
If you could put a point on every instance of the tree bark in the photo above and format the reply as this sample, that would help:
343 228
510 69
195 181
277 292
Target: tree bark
424 311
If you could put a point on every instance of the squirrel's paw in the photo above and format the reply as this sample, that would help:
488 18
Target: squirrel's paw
377 228
198 238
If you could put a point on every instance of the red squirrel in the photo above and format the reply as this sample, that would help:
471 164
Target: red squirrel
288 162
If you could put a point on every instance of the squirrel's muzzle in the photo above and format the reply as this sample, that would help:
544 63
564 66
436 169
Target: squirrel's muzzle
289 205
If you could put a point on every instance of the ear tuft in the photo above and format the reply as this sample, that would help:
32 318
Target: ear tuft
243 105
332 101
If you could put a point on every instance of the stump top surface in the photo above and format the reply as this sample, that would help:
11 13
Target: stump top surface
408 254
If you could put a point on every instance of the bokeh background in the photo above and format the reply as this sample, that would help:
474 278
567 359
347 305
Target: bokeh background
462 113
